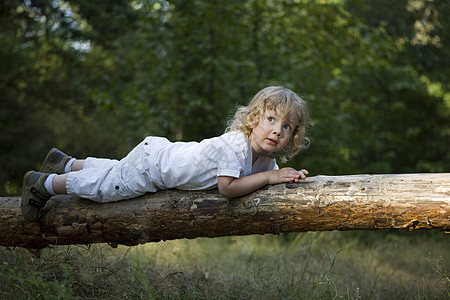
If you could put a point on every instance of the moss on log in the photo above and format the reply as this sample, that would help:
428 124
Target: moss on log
320 203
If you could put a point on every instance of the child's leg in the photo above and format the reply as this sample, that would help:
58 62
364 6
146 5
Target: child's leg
59 184
39 187
57 162
97 163
78 165
98 184
90 162
105 180
101 180
56 183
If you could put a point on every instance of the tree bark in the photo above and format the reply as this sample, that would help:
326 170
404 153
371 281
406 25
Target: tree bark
320 203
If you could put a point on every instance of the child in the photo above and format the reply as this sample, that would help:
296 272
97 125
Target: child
238 162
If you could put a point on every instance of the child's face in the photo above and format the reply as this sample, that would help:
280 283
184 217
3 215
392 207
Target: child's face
272 132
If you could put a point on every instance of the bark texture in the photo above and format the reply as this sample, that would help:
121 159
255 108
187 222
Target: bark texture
320 203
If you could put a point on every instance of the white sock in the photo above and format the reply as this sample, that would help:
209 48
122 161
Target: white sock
48 184
68 166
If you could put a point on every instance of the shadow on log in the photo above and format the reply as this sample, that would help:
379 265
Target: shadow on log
320 203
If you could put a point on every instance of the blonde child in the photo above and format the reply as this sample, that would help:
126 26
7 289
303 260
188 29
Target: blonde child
238 162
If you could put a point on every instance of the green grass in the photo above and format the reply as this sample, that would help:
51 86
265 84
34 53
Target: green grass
325 265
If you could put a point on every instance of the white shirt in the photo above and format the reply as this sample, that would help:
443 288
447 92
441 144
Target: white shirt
196 165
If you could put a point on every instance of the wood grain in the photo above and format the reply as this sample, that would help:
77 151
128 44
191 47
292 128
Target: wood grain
319 203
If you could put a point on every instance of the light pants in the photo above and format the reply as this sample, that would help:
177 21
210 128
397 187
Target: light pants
108 180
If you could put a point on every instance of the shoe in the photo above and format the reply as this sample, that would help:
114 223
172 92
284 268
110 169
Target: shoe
34 195
55 162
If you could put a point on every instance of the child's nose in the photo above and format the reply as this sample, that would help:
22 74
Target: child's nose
277 130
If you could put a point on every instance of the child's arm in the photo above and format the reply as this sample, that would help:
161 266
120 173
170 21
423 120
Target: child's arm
231 187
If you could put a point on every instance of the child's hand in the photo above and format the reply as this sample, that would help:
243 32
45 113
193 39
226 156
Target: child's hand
287 175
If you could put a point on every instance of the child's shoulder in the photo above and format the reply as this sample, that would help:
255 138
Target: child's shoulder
232 140
234 137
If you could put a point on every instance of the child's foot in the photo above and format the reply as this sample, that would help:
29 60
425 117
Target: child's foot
34 195
55 162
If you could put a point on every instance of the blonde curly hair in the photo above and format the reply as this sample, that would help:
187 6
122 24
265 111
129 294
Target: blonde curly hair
276 98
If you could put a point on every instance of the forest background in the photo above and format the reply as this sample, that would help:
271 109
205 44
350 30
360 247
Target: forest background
93 78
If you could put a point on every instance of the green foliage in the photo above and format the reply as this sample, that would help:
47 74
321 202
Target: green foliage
94 78
34 285
320 265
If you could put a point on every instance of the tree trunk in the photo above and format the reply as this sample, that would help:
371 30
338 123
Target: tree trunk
320 203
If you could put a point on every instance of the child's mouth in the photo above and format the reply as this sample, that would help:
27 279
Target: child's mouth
272 142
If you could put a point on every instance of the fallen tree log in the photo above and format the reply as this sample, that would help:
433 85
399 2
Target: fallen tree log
320 203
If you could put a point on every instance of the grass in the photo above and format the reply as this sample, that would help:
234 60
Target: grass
324 265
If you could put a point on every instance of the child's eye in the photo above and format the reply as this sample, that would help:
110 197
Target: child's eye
287 127
271 119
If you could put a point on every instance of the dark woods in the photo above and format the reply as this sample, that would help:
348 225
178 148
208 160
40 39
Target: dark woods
94 78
